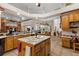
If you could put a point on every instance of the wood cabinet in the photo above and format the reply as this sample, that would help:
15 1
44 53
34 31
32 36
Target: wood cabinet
40 49
65 22
11 42
43 49
8 43
68 17
76 16
3 27
6 25
15 42
66 42
71 17
21 50
18 26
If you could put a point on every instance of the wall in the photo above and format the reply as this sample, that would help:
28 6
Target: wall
26 23
33 23
56 23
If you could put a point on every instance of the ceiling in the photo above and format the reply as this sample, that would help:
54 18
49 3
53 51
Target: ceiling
10 15
31 8
34 9
29 11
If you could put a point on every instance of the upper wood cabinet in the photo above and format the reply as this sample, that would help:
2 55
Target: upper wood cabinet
66 18
7 24
3 28
71 16
65 22
76 16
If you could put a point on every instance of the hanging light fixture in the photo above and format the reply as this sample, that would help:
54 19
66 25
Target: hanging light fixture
38 4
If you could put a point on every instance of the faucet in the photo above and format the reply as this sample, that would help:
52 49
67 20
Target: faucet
36 33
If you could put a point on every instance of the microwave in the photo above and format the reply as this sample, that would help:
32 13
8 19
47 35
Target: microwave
74 24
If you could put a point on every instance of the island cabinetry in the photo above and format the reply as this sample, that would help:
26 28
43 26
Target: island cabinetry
21 48
40 49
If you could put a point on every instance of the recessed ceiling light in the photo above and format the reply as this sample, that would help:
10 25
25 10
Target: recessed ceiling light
22 18
6 17
18 13
38 4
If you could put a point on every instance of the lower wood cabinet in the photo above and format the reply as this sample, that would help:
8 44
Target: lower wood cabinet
41 49
11 41
8 43
66 42
15 41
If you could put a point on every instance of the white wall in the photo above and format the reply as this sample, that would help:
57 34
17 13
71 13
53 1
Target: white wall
33 23
26 23
57 24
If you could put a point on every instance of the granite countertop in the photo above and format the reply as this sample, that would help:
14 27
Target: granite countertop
33 40
67 37
16 35
1 37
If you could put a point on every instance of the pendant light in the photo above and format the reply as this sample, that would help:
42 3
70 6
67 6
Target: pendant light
38 4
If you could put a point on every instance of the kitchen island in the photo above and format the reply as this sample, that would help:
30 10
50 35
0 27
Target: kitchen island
34 46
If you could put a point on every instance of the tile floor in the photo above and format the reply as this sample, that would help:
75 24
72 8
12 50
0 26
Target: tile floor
56 49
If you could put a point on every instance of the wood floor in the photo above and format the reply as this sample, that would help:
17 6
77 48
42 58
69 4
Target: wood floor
56 49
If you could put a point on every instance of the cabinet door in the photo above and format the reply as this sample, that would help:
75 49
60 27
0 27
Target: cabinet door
9 43
71 17
43 48
21 51
63 42
47 47
37 50
15 41
66 42
76 16
65 22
